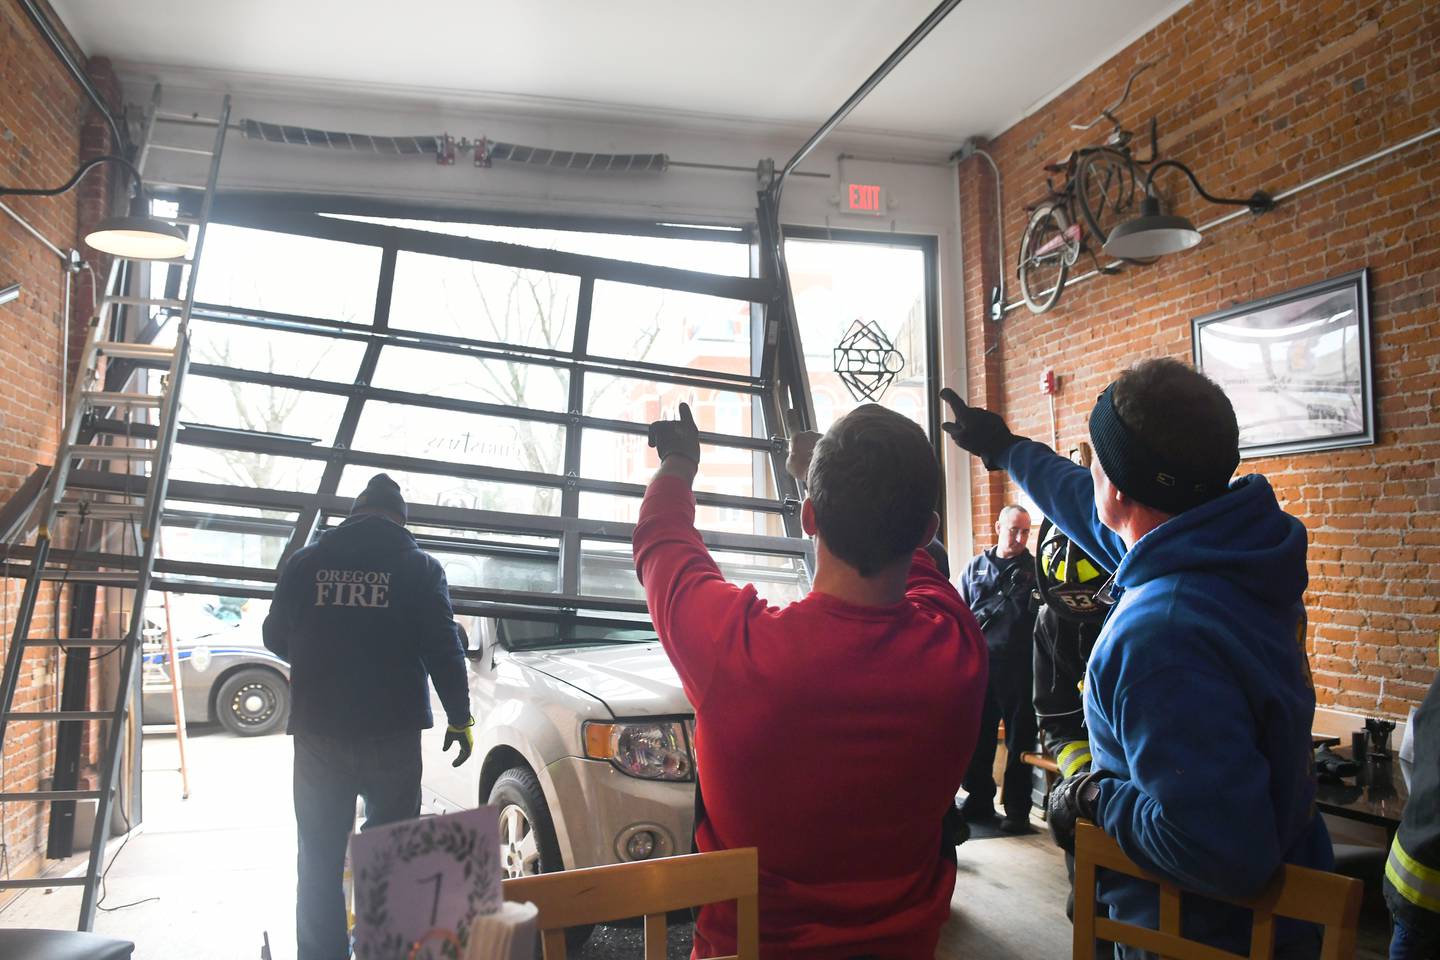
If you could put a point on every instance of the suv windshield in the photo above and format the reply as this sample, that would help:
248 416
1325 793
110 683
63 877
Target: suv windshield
533 635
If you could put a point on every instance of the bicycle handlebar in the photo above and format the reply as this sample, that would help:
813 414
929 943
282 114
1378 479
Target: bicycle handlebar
1106 113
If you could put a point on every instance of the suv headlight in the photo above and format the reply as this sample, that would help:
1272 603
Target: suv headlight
648 750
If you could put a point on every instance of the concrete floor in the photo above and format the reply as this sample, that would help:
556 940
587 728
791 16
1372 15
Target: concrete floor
222 867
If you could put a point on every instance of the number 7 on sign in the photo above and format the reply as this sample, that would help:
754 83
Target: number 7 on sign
439 880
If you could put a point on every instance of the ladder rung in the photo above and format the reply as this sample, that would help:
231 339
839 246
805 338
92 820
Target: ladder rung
93 451
175 185
106 398
36 883
136 351
43 795
60 716
176 148
101 511
109 577
67 643
181 221
169 302
191 118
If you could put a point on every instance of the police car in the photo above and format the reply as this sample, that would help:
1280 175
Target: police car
226 673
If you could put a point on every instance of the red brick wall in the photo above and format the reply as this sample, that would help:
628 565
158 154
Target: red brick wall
41 116
1263 96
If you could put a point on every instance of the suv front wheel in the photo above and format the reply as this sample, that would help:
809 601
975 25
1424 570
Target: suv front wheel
527 835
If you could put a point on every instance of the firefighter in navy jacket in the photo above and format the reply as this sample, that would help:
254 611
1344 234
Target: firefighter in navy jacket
1412 875
363 617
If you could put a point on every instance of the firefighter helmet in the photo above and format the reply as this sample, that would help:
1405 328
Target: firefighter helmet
1067 578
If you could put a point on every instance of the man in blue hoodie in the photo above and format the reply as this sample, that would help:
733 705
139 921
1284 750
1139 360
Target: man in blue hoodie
1198 699
363 617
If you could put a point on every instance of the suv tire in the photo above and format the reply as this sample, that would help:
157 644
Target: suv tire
253 702
523 813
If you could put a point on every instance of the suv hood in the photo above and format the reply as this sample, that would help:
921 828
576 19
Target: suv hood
633 680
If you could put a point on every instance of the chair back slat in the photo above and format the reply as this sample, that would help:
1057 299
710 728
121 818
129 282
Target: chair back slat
649 889
1299 893
655 936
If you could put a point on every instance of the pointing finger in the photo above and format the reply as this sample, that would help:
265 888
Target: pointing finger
953 399
685 416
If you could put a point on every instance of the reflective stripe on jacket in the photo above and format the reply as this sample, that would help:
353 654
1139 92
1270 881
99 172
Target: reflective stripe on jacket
1412 874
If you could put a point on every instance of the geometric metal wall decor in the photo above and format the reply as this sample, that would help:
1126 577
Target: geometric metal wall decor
867 361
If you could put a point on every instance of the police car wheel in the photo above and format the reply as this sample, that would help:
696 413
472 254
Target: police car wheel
252 703
527 835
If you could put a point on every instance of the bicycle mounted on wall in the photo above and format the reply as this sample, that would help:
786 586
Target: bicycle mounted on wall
1098 193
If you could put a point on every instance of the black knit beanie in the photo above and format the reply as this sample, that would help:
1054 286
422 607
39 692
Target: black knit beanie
381 493
1140 474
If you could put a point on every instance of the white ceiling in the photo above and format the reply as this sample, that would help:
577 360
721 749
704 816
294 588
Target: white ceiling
779 61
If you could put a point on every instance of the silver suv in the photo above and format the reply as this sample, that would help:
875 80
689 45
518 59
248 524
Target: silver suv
582 740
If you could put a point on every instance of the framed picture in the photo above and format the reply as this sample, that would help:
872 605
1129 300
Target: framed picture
1296 366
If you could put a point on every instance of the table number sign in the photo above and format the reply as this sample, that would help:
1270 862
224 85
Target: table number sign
420 876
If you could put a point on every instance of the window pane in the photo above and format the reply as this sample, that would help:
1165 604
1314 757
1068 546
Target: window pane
728 257
436 489
259 470
671 327
222 546
282 273
777 579
261 408
484 301
608 569
621 509
839 285
275 351
644 401
463 377
536 571
628 458
460 437
214 618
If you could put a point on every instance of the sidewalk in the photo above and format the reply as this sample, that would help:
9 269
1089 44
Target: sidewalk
222 863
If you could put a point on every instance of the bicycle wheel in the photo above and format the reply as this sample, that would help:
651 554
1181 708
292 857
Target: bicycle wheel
1104 191
1047 249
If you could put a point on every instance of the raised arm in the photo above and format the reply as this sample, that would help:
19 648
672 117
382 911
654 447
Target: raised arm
1062 490
696 612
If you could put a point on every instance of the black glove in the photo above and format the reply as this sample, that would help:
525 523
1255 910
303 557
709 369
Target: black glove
977 430
679 437
460 733
1073 798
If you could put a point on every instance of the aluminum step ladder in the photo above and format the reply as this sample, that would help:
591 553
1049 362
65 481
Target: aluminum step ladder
63 511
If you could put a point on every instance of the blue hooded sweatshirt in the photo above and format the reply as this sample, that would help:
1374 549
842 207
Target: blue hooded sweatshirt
1198 699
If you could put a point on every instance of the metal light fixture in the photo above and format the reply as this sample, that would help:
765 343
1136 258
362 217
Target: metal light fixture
9 293
135 236
138 236
1153 234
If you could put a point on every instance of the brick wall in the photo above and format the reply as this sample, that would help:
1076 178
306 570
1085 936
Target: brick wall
41 117
1262 96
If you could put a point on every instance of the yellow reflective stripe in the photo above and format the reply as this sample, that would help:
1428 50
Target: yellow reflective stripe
1073 757
1426 875
1415 882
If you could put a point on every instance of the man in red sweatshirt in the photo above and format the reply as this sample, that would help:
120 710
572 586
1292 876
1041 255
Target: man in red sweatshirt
831 734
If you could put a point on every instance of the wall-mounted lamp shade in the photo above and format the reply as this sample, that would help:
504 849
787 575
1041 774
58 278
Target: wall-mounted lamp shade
9 293
1152 234
139 238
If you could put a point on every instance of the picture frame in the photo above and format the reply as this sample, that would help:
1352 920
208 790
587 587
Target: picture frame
1297 366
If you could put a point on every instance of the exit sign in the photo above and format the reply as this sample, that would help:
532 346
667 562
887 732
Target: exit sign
864 198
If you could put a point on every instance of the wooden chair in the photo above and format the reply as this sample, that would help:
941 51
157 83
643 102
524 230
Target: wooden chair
651 888
1315 896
